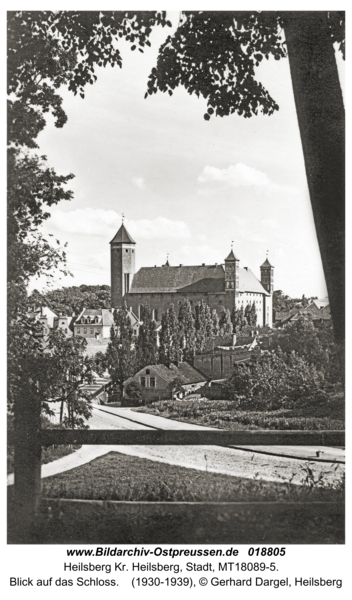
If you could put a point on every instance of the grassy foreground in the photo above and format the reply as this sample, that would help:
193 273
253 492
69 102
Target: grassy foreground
116 476
157 514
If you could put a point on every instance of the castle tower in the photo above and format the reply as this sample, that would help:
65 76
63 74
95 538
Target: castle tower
123 257
267 276
232 275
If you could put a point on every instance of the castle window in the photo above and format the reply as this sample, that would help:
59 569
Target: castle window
65 330
132 251
84 330
152 382
92 331
143 382
78 330
147 371
126 249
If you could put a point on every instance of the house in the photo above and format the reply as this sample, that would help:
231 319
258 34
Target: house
317 310
155 380
48 319
96 323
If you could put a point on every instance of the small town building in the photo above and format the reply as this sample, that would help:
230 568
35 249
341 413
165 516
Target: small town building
48 319
97 323
155 380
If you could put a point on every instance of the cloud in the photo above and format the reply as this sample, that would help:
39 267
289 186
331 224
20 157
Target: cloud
105 223
241 175
139 182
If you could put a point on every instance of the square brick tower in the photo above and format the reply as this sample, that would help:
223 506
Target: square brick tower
123 259
231 279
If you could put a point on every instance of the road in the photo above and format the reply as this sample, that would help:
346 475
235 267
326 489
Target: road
229 461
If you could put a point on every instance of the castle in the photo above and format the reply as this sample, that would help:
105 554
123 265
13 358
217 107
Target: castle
222 287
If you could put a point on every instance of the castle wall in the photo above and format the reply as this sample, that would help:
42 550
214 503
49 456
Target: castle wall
220 364
161 302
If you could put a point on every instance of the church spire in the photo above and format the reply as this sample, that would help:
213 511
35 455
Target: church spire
167 264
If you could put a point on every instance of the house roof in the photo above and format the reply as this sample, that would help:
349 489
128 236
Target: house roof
122 237
184 371
105 314
321 303
188 279
108 317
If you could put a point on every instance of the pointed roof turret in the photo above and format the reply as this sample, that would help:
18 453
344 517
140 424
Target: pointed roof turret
122 236
167 264
266 263
231 256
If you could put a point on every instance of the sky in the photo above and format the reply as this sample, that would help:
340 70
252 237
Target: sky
187 187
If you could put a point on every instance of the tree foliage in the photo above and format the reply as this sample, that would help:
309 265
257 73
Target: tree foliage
176 386
187 330
120 353
54 373
134 392
274 380
214 54
73 299
146 342
203 324
169 339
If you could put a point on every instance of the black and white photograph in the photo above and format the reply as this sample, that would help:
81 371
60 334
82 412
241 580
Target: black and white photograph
176 290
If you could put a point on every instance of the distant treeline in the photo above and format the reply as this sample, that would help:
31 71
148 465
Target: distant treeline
73 299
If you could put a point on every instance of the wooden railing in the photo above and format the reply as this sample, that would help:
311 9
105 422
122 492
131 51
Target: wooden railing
28 439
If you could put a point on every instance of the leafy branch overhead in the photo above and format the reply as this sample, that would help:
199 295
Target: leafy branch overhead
47 50
215 55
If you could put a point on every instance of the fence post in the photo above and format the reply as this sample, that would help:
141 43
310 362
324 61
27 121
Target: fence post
27 485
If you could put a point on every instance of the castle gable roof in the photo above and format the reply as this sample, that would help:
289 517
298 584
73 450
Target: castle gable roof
122 237
191 279
204 286
249 283
172 279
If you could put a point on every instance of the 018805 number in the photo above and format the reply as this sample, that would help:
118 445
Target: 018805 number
267 551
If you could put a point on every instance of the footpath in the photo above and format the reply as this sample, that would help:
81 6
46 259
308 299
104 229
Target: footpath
269 463
315 453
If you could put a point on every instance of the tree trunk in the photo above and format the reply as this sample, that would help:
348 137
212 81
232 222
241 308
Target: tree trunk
321 119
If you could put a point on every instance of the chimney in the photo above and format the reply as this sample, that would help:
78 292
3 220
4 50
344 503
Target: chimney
203 264
181 265
246 268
